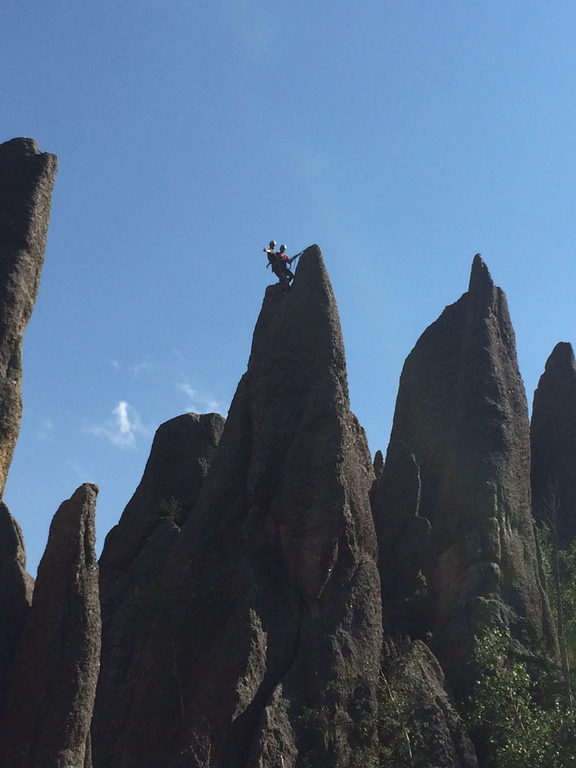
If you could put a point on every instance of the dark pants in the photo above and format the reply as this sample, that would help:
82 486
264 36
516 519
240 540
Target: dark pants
283 274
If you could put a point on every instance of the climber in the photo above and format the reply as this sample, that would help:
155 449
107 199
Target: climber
285 260
270 250
279 261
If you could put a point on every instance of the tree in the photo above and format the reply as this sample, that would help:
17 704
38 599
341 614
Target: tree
513 730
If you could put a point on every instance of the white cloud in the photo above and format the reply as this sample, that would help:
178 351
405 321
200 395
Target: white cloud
135 369
121 430
44 431
200 402
78 471
139 368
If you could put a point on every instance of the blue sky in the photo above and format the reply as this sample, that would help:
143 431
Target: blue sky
402 136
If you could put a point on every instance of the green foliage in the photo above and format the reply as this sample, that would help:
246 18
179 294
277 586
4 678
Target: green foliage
559 567
170 510
517 731
383 725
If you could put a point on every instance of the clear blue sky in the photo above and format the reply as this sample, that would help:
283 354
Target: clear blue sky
402 136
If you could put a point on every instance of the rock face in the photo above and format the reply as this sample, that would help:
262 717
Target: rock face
56 664
452 507
266 632
553 434
26 181
15 595
179 460
134 555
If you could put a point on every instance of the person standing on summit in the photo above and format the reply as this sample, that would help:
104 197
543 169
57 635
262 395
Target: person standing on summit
279 261
283 256
270 250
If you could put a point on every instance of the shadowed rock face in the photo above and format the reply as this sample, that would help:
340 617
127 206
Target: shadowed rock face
413 676
15 595
134 555
452 507
26 182
56 664
553 434
267 628
179 460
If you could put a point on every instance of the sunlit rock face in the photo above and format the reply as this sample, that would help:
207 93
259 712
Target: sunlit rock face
452 507
26 182
553 433
55 666
268 610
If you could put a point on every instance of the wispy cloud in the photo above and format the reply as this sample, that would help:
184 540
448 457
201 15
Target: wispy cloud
123 428
135 369
139 368
44 430
199 401
80 473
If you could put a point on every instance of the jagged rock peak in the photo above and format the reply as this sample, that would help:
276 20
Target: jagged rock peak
134 555
553 437
21 145
561 357
180 456
304 320
480 278
453 503
26 182
55 667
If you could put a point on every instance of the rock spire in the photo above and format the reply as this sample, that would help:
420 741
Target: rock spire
553 434
452 507
133 557
267 626
16 588
26 182
55 667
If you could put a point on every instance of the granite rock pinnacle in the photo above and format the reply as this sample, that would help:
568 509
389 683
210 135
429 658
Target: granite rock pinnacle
269 603
26 182
452 509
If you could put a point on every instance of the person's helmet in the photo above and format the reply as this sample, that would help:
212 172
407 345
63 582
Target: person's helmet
282 248
272 244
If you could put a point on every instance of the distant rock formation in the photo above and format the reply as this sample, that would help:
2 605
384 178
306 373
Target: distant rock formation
55 668
266 634
26 181
133 557
16 588
452 507
553 434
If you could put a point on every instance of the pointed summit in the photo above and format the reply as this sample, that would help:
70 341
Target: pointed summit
55 667
561 358
133 557
479 272
300 324
481 286
553 436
